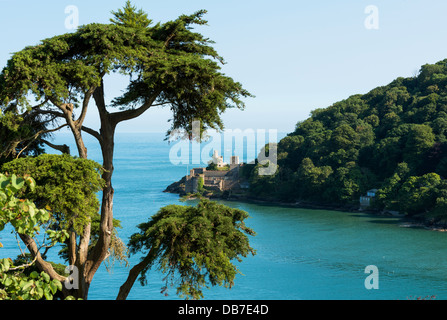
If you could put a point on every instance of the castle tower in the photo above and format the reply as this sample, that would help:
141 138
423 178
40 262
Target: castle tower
234 162
218 160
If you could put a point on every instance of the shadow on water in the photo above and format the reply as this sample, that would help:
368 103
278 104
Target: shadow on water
388 222
379 219
373 218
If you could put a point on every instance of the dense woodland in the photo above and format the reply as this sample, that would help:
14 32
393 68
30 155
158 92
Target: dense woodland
393 138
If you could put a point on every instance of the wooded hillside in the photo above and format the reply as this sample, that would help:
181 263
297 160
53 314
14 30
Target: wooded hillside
393 139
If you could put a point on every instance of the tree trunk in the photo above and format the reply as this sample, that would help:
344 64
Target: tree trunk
72 248
87 263
67 109
82 248
133 275
100 251
81 259
82 150
41 264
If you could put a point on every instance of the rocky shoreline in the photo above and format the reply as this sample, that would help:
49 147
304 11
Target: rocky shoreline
406 222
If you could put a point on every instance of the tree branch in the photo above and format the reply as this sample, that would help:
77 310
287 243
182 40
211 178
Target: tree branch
98 95
35 136
160 104
67 112
133 275
168 39
62 148
40 104
23 266
117 117
52 112
41 264
35 107
85 103
92 132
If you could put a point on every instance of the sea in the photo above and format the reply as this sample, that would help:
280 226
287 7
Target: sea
301 254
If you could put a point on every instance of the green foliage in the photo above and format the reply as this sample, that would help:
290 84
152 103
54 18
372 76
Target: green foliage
393 139
23 214
263 185
14 285
194 246
213 167
312 178
387 195
26 219
167 63
200 184
419 194
66 186
61 69
18 135
419 139
130 17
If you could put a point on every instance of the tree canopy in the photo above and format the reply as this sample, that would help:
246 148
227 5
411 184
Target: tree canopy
66 186
192 246
392 138
27 220
167 64
52 84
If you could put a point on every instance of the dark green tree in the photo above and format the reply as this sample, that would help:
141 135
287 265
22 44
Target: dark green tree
27 220
312 180
67 188
192 246
419 140
375 140
419 194
130 16
167 64
388 194
24 134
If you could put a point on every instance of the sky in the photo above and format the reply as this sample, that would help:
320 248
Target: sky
294 56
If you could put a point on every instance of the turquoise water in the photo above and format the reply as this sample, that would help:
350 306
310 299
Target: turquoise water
301 253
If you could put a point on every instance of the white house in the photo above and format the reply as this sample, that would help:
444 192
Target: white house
366 201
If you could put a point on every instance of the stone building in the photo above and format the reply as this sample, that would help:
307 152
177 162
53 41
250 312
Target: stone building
218 180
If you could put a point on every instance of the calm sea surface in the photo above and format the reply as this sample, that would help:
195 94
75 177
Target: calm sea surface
301 254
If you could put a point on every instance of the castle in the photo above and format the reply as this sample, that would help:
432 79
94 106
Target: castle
218 180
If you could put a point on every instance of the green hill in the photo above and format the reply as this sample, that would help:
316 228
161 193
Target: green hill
394 138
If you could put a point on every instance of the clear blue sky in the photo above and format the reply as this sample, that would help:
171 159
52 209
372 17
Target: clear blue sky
295 56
